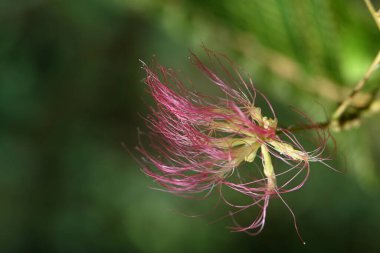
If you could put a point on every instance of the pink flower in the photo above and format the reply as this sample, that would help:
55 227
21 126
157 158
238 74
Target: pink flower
198 142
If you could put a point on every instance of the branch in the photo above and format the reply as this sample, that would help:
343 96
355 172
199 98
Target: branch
340 116
375 14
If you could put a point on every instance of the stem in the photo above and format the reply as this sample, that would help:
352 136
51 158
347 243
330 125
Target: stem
375 15
337 119
347 102
321 125
268 167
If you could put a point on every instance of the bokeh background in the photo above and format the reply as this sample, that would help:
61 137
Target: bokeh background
71 93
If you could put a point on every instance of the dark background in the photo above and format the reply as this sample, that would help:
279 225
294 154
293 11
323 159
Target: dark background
71 92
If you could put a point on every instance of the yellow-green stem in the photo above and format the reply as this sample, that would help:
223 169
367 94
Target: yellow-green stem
268 167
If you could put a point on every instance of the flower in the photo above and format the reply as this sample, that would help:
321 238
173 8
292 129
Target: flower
198 142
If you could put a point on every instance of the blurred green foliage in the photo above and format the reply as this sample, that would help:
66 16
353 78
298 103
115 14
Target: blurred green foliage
71 94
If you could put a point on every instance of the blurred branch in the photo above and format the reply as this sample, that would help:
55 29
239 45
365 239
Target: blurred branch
340 116
375 14
291 71
342 108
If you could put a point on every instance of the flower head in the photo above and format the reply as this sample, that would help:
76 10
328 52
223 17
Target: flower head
199 142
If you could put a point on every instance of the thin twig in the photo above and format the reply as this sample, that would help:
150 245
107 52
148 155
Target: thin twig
336 119
321 125
348 101
375 14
